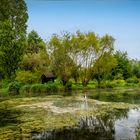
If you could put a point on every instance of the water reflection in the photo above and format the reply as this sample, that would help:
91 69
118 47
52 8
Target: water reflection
116 95
137 131
80 104
116 125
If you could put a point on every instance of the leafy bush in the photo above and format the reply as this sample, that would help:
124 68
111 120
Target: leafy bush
107 84
14 88
119 83
27 77
50 87
43 88
118 76
4 83
132 80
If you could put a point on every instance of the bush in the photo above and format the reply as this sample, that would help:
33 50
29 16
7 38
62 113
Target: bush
4 83
132 80
107 84
27 77
119 76
50 87
43 88
14 88
119 82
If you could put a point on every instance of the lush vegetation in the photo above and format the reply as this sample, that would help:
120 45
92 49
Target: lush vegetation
81 60
78 60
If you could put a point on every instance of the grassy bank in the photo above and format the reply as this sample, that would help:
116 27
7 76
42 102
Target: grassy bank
25 90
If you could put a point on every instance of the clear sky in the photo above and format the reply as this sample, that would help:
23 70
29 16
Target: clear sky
119 18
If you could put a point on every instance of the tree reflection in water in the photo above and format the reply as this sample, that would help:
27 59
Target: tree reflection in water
137 131
91 127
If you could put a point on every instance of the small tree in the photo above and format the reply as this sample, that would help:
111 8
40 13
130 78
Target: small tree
103 67
123 65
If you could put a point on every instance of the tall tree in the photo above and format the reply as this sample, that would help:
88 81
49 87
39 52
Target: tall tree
35 43
13 18
62 64
84 48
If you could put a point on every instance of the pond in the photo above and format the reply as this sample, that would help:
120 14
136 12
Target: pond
119 125
111 114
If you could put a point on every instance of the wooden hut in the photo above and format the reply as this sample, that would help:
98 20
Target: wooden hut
46 77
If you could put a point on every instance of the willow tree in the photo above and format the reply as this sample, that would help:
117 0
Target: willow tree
84 50
13 18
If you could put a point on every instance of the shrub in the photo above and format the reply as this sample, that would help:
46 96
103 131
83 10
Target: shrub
14 88
107 84
118 76
132 80
27 77
51 87
119 82
44 88
4 83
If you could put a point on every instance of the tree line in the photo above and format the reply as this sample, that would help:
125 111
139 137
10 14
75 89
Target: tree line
81 56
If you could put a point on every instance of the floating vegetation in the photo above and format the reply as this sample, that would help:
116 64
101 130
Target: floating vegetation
31 118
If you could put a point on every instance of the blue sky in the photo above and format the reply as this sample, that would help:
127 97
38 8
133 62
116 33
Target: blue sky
119 18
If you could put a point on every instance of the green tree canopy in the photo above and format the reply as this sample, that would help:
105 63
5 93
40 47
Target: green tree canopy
35 43
123 66
13 18
62 64
105 61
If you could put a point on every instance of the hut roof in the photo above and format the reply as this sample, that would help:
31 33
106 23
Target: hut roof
49 75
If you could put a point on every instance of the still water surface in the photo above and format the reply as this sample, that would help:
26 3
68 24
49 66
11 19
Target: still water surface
120 125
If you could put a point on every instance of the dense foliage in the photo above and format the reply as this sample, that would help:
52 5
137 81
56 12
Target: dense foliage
77 59
13 18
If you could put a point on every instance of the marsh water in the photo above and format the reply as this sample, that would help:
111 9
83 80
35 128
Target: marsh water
111 114
126 95
120 125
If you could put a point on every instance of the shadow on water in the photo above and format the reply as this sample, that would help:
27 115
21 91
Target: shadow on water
106 127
